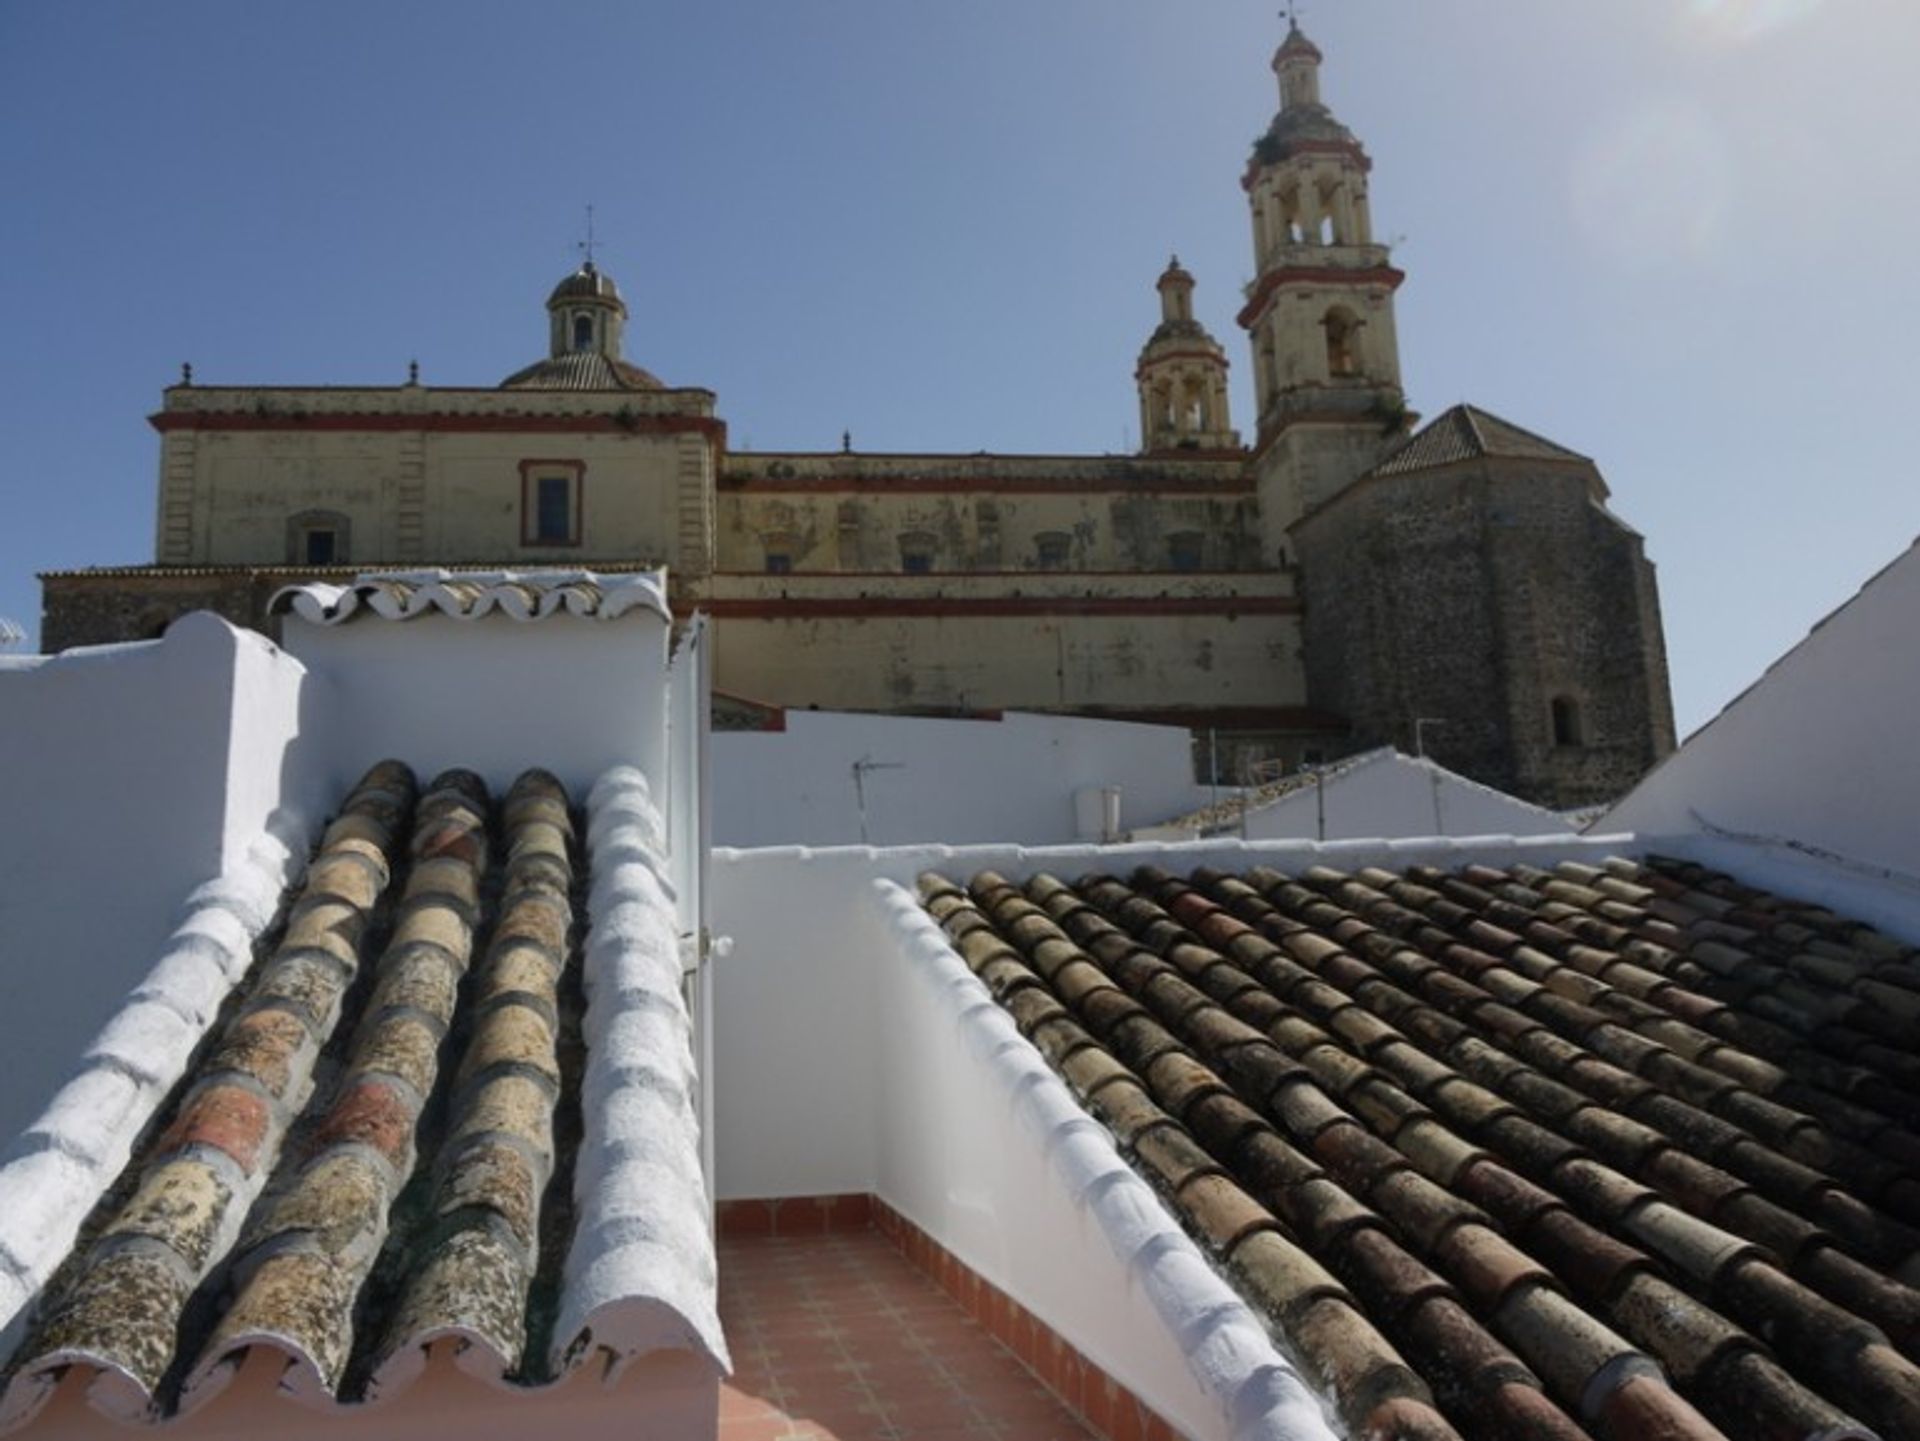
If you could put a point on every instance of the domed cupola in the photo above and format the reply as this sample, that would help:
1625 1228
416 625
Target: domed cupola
1183 376
1304 122
586 324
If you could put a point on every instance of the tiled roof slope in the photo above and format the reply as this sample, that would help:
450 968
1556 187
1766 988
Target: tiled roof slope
1468 433
1616 1152
381 1142
468 595
582 370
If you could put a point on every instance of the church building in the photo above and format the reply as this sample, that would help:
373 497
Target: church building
1337 581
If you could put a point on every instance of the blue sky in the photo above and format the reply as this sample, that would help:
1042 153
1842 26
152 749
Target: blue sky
1676 235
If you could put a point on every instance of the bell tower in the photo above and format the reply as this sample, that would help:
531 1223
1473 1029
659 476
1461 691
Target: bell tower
1183 377
1319 313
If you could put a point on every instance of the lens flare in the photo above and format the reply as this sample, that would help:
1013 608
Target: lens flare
1655 185
1736 21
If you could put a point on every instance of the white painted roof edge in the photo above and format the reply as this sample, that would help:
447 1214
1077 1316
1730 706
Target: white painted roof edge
1227 1348
54 1173
321 603
1886 899
1442 852
641 1274
1910 554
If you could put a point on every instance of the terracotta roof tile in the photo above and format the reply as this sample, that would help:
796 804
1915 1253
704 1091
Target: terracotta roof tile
264 1211
1622 1131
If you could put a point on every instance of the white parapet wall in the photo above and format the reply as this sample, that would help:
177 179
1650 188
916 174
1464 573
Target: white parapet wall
1817 758
797 785
841 1066
982 1146
135 775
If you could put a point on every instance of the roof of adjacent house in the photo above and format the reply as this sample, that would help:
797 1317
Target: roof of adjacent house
1617 1151
1468 433
1227 813
436 1108
468 595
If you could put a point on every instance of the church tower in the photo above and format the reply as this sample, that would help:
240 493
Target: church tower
1183 377
1319 313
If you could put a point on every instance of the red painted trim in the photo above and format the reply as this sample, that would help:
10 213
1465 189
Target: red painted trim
1352 419
955 607
1000 485
529 501
168 420
1256 304
933 579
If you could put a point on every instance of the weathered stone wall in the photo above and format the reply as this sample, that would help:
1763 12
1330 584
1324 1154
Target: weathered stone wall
413 475
860 513
1474 596
103 607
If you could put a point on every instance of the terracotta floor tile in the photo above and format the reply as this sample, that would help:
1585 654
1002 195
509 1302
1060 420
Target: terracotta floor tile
846 1341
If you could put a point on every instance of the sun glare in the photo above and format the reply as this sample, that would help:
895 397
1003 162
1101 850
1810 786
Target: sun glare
1654 185
1736 21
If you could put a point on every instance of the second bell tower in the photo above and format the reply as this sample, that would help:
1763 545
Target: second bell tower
1319 314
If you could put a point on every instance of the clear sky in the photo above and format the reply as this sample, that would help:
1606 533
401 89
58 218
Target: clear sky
1676 235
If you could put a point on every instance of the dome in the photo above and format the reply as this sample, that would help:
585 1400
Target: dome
1296 45
586 283
1298 128
586 323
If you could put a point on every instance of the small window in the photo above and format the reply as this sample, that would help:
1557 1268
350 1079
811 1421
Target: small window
1186 550
583 332
550 501
1052 548
317 537
779 562
1566 721
322 545
916 552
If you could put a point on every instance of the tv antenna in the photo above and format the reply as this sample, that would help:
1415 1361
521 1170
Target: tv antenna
861 768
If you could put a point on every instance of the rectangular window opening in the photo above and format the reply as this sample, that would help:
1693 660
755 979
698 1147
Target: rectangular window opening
321 546
550 499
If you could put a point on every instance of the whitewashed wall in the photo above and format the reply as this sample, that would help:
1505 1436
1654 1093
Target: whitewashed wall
1820 754
960 782
492 693
801 999
132 775
837 1068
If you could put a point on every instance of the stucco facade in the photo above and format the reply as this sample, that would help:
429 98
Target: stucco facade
1234 589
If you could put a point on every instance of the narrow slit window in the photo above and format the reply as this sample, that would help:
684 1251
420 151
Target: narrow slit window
1566 722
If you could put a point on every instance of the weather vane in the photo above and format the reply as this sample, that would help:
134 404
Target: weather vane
586 246
1291 15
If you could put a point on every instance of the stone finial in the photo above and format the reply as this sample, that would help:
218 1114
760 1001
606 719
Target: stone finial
413 372
186 372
